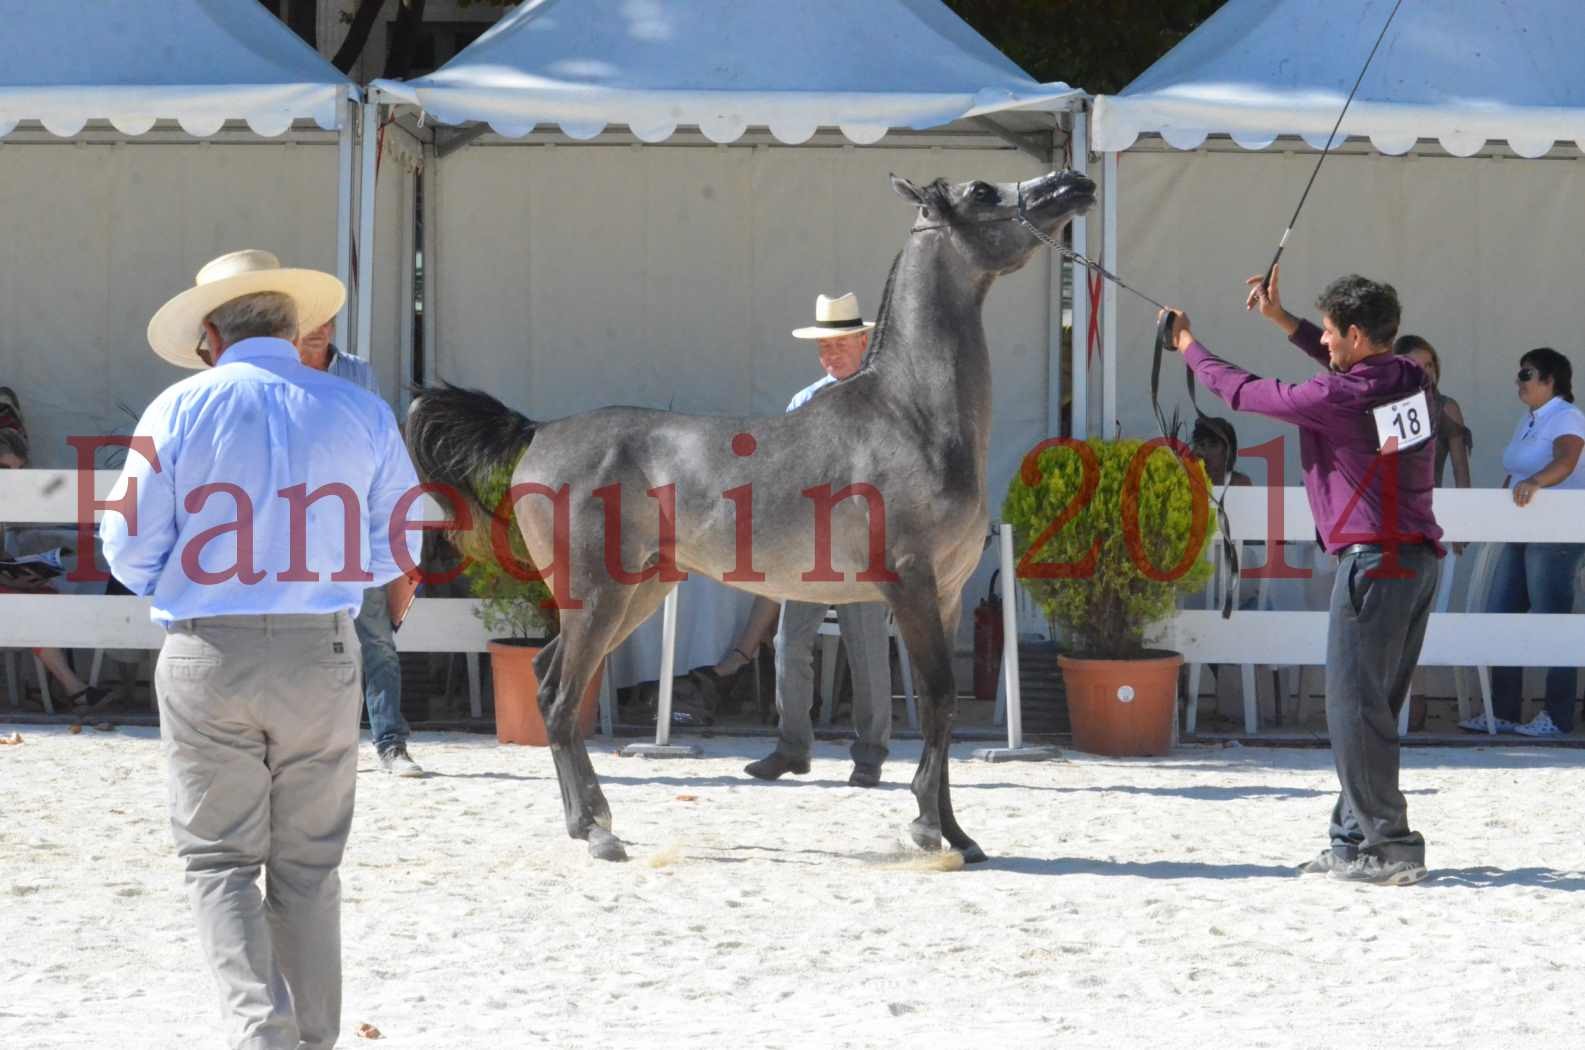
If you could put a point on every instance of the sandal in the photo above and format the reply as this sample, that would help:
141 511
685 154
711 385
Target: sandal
90 698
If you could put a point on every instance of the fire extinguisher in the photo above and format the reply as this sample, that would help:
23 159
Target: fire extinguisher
988 642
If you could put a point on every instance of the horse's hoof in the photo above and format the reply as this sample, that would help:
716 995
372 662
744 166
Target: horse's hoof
605 846
972 854
925 837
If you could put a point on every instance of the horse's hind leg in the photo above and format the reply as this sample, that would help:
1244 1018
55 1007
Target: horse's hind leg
587 635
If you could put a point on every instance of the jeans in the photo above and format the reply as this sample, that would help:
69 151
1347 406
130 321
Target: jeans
1539 578
382 671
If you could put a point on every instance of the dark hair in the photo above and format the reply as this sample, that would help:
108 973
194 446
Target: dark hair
1217 428
1408 344
1356 300
1554 366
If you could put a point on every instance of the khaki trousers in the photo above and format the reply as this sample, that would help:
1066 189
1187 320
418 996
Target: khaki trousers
259 722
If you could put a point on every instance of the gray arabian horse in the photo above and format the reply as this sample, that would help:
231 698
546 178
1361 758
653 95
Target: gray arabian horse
874 490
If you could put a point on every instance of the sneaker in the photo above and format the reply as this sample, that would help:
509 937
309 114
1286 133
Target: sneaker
1540 726
1478 724
1326 862
1372 869
774 765
396 761
865 775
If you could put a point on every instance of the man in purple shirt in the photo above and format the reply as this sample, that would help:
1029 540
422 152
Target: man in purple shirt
1367 445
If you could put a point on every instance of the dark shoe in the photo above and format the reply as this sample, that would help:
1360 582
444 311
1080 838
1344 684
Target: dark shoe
865 775
1371 868
1326 862
396 761
774 765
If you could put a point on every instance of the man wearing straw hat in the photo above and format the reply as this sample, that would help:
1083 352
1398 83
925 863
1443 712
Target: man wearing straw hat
221 518
842 336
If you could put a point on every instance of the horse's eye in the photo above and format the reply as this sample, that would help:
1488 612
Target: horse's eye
985 193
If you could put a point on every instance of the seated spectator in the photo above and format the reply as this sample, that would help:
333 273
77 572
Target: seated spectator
1453 438
1216 443
14 456
1538 577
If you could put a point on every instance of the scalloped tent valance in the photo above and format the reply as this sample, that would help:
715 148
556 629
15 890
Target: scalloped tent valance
724 66
198 62
1464 73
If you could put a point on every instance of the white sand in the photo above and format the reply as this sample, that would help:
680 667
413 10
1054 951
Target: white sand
1128 903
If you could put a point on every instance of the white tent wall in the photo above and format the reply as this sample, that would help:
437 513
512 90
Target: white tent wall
94 236
1483 252
570 277
395 200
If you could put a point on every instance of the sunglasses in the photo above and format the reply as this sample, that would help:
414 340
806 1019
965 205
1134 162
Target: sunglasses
1526 374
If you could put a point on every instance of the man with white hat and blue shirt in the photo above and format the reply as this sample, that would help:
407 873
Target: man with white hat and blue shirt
842 336
220 518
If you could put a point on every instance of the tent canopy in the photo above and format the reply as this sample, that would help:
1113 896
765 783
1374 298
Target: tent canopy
199 62
1461 72
723 65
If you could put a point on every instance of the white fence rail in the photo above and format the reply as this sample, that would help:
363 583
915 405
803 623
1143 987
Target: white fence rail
1255 637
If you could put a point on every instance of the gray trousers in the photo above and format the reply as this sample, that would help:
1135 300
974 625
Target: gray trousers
259 721
869 658
1373 643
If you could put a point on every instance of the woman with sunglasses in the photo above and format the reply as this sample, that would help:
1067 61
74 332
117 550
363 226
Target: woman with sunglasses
1538 577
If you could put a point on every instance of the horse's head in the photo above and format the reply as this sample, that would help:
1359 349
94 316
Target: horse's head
983 218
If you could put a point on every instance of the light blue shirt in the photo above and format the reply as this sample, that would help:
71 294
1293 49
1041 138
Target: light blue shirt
257 423
353 369
802 397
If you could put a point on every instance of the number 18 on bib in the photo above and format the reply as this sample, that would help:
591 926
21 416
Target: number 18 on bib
1406 423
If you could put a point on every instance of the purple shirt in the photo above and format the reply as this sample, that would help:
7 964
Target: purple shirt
1343 472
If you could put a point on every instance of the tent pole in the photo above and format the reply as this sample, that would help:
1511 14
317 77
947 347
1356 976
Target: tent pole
1081 286
366 192
431 177
346 127
1056 266
1109 298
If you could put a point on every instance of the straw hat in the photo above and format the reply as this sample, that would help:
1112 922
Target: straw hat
834 317
177 326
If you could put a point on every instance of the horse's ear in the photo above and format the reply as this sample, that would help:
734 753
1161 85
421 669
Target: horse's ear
908 191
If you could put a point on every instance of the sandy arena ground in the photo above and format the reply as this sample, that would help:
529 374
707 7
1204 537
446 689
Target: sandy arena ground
1128 903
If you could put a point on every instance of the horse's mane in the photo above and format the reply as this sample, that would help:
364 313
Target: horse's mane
939 196
883 314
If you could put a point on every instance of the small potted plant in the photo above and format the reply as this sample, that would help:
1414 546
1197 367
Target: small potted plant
521 615
1108 534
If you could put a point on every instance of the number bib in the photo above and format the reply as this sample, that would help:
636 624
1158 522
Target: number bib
1408 421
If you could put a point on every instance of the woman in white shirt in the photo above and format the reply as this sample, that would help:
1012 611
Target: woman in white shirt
1538 577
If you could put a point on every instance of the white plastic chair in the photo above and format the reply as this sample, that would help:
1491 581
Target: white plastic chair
830 632
1215 590
12 685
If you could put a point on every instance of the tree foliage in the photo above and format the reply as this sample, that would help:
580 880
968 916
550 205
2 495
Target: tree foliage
1097 45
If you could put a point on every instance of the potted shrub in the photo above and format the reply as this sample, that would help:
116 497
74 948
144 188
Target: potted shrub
1108 534
522 617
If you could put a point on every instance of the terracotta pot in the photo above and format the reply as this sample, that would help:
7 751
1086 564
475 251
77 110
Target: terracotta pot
1122 707
517 716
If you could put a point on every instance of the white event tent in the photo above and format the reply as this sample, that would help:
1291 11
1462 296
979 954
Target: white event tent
1215 141
119 178
669 184
1456 177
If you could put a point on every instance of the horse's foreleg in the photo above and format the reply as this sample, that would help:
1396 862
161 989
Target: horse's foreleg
951 610
918 614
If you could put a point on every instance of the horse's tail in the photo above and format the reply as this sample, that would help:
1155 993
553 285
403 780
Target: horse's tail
469 441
